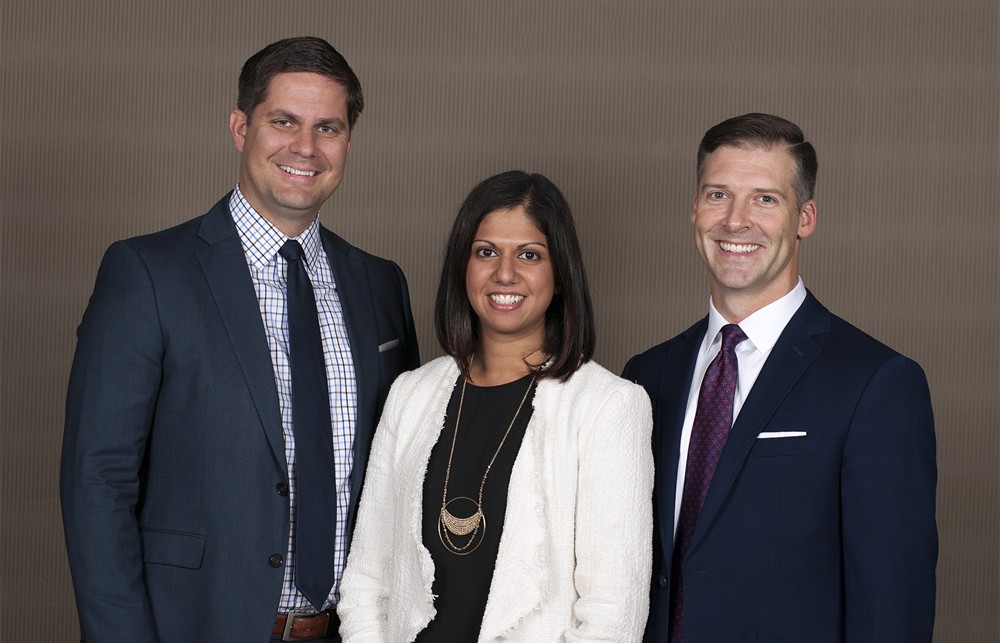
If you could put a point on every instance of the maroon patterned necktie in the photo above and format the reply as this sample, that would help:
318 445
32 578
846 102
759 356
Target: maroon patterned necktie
712 420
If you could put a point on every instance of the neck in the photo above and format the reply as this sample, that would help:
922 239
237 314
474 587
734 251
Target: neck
290 223
735 312
292 228
495 365
735 307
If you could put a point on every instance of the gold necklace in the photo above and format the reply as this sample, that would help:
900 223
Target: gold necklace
475 525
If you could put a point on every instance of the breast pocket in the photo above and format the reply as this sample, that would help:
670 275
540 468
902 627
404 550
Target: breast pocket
391 360
774 444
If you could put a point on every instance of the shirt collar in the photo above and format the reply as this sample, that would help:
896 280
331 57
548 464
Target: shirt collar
763 327
261 240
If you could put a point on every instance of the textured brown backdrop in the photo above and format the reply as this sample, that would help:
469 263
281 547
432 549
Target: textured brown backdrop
113 119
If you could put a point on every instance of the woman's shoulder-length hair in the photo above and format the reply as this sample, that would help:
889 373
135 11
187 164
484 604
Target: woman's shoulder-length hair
569 320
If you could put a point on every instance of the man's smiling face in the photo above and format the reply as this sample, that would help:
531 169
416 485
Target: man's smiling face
747 225
293 148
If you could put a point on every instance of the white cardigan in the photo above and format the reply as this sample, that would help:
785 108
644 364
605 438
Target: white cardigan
575 555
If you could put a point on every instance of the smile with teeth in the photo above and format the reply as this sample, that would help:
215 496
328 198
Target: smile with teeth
739 248
505 299
293 171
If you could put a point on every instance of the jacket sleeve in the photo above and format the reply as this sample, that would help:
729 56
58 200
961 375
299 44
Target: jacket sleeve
614 520
411 356
112 393
888 499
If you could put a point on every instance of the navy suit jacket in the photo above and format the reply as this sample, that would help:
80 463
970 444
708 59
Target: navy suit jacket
826 537
174 480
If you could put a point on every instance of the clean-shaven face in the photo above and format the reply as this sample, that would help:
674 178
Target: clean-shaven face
747 225
293 148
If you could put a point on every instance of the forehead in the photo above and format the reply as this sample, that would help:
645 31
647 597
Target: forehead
509 223
729 164
305 89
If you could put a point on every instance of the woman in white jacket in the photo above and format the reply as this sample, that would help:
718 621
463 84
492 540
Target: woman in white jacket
508 491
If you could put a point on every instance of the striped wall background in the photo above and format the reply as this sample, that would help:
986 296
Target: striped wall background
113 123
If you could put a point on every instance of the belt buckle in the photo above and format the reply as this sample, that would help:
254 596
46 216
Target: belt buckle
289 622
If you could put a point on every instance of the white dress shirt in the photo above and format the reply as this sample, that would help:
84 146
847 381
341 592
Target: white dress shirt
762 329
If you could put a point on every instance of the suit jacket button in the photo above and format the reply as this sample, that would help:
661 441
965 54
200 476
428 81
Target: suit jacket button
282 489
275 560
663 581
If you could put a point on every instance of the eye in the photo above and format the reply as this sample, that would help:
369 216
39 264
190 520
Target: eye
715 195
282 122
531 255
328 129
767 199
485 252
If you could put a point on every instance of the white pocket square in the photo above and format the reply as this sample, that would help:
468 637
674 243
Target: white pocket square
781 434
392 343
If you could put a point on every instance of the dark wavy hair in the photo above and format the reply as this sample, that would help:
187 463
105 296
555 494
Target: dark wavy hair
305 53
766 131
569 320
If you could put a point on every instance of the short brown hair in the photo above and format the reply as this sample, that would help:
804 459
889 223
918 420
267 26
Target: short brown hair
766 131
305 53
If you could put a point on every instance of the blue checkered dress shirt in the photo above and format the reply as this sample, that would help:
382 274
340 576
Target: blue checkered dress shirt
261 242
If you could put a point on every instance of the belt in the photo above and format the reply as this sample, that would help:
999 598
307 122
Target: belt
296 626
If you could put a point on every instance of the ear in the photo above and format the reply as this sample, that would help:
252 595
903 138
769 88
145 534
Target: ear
694 207
238 122
807 219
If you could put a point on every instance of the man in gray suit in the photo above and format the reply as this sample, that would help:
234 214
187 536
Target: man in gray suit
180 499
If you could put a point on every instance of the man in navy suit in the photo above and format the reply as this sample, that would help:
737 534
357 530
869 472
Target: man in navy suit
817 521
179 464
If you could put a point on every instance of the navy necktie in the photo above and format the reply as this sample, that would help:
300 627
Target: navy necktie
713 418
316 507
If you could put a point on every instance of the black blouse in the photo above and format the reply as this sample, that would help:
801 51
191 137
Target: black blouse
462 583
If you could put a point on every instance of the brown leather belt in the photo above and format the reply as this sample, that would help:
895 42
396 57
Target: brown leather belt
305 627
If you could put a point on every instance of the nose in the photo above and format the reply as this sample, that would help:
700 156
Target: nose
304 143
738 216
506 271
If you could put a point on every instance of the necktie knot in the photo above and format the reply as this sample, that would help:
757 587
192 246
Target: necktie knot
291 251
732 335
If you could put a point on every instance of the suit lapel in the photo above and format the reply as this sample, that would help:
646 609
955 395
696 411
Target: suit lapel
672 398
791 356
356 299
225 266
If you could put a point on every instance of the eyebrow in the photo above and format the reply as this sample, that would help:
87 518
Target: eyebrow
520 245
723 186
288 116
280 113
